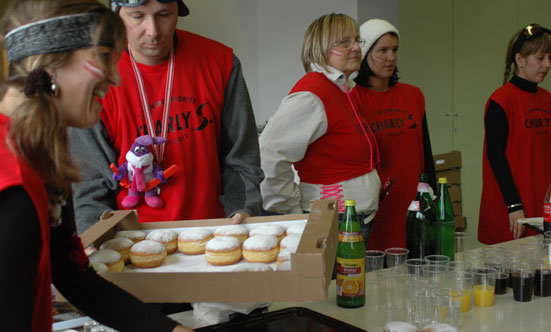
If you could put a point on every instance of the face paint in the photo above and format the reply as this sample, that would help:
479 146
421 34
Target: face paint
378 59
336 52
94 70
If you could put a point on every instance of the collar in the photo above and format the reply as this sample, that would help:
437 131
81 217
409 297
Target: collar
335 76
524 85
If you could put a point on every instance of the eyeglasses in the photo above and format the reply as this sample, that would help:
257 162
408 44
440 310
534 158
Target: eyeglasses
348 43
528 33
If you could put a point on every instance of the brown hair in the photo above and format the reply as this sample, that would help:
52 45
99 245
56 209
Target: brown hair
532 45
321 35
38 133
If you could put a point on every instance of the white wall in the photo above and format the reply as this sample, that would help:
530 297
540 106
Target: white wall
267 37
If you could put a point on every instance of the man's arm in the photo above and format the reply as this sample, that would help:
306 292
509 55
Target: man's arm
92 152
239 155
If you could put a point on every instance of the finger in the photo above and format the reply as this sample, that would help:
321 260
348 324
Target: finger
237 218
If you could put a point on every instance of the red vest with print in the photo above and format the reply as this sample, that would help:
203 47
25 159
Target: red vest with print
529 155
201 72
17 173
395 116
343 152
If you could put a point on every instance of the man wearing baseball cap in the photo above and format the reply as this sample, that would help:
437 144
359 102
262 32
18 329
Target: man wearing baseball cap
189 90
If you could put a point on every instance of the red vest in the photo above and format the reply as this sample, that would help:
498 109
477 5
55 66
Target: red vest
395 116
529 155
201 72
15 172
343 152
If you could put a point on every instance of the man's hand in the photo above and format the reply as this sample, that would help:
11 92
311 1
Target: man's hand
239 217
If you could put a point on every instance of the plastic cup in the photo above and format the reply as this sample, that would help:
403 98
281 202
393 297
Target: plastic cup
414 266
484 282
448 304
523 281
542 276
458 266
374 260
436 274
388 282
437 260
464 282
395 257
460 238
475 258
413 284
531 250
425 306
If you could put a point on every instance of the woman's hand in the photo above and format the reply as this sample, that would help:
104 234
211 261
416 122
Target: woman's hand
239 217
514 227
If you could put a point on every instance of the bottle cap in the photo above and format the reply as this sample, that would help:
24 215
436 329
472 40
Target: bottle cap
442 180
349 202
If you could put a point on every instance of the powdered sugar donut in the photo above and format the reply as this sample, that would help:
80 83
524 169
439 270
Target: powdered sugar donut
167 237
283 256
135 235
192 241
100 267
437 327
397 326
269 229
290 242
121 244
147 254
253 267
261 249
223 250
109 257
238 231
296 229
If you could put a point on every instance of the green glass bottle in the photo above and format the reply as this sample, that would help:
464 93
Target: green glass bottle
421 227
446 219
350 260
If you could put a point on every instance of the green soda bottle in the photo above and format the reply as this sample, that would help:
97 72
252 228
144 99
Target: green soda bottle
446 219
350 260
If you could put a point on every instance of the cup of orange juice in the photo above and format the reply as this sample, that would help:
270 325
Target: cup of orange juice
464 281
484 282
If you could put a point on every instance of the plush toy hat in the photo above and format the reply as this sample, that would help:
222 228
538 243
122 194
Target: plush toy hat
374 29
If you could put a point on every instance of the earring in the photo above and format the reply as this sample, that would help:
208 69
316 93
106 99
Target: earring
53 87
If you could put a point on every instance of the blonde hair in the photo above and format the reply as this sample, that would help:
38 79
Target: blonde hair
38 133
321 35
541 42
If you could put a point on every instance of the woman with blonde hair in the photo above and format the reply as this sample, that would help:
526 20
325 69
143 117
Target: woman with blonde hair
318 130
62 56
517 150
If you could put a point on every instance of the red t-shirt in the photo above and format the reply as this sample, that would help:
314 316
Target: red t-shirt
396 117
343 152
194 125
529 155
15 172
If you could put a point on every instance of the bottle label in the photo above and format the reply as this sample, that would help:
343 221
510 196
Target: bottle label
350 236
350 277
414 206
547 212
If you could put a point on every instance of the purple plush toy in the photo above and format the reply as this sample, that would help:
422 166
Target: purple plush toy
141 168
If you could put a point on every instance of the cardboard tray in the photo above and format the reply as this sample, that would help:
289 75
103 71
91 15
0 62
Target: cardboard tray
295 319
308 280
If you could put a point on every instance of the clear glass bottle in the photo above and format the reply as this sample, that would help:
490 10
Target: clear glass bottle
446 219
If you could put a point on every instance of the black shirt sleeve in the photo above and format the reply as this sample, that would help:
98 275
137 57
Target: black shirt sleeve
19 254
90 293
497 132
428 158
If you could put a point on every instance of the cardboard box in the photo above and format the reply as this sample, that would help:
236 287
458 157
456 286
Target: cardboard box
448 160
453 176
308 280
457 208
460 223
455 194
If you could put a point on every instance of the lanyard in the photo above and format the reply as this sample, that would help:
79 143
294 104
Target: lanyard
158 149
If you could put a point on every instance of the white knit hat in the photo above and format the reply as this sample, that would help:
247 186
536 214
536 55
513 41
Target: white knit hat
372 30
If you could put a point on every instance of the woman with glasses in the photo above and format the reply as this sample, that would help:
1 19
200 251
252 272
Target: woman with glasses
396 115
517 149
62 56
318 130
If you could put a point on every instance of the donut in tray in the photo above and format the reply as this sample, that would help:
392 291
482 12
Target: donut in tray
261 249
239 231
269 229
120 244
134 235
167 237
223 250
147 254
192 241
111 258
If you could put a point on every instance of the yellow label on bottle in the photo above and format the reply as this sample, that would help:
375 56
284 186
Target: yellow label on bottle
350 277
350 236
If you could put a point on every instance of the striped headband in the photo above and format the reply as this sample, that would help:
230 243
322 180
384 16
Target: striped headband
52 35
